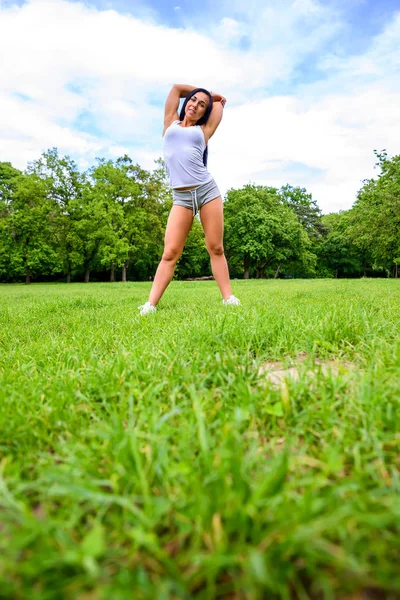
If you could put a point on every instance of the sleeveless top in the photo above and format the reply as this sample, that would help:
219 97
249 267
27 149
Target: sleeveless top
183 149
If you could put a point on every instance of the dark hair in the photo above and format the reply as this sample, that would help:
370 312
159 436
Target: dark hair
203 119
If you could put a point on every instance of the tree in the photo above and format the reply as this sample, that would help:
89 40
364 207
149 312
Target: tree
8 184
110 191
91 229
130 203
159 188
337 253
261 231
194 261
305 208
376 214
32 249
65 186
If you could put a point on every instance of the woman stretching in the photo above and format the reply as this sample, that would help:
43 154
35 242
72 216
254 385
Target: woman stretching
193 188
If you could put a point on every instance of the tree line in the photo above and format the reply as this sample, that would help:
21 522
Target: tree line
60 224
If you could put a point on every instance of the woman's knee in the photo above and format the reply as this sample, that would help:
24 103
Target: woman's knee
215 249
171 254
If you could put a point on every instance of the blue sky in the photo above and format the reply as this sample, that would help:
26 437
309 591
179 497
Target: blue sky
312 87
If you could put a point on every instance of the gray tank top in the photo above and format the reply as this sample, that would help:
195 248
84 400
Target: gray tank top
183 154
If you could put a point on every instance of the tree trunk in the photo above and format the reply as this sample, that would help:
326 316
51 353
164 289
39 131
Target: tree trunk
246 266
68 277
27 276
112 274
277 271
87 275
336 273
396 271
124 273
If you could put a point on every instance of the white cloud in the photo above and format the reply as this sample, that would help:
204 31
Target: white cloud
119 66
229 31
116 70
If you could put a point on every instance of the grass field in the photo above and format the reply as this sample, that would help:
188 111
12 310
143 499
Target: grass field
153 458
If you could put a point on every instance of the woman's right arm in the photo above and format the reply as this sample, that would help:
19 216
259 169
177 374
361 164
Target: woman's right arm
178 91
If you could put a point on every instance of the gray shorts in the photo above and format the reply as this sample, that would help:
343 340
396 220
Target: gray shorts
197 197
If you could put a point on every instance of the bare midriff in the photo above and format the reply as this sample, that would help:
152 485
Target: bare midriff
185 189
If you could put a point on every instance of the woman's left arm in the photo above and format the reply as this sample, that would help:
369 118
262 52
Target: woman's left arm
215 117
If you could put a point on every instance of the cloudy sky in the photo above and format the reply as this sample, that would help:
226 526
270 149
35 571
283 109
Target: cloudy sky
313 87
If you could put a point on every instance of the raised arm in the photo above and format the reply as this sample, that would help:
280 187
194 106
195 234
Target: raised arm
178 91
216 116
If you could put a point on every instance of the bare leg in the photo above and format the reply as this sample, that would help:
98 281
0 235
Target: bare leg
212 219
179 223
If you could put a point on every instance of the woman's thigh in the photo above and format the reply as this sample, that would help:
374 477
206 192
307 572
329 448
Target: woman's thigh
212 220
178 226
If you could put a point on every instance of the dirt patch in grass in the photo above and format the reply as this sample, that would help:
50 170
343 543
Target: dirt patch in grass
278 373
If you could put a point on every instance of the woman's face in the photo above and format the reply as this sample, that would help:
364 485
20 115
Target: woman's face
197 106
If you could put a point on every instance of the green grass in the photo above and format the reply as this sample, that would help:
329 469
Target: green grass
148 458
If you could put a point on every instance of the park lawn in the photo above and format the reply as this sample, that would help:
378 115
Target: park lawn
153 458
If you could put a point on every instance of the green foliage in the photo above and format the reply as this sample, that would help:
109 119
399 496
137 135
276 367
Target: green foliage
28 232
65 185
8 183
262 231
130 205
55 219
305 209
376 226
158 187
338 255
194 261
113 217
8 179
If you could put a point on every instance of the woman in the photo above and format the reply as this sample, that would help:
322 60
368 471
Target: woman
193 188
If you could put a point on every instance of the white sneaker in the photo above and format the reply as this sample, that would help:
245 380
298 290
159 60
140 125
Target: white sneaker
147 308
232 301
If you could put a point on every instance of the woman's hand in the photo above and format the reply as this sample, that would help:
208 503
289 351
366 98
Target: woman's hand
218 98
